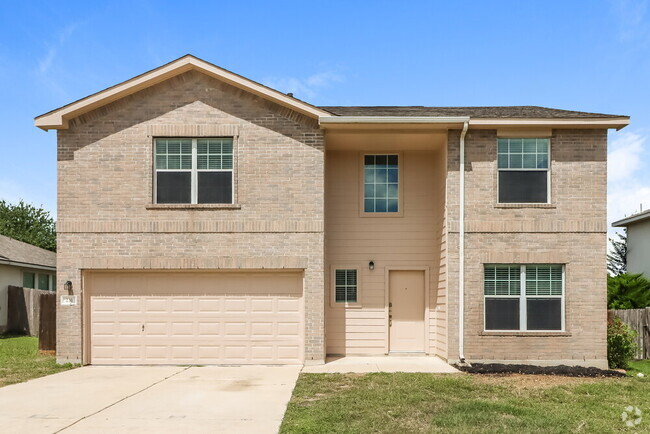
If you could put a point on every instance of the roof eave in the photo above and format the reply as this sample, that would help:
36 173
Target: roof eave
604 122
5 261
58 119
632 219
327 122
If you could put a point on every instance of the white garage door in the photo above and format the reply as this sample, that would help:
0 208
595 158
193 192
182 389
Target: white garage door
195 318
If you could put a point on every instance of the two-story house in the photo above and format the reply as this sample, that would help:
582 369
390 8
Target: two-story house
207 219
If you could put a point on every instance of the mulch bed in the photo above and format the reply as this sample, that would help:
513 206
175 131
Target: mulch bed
567 371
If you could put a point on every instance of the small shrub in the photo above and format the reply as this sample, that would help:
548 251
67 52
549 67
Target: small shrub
628 291
621 344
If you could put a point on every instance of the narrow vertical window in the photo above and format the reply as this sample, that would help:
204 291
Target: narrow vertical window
502 289
345 286
29 280
381 184
214 165
44 282
173 171
523 166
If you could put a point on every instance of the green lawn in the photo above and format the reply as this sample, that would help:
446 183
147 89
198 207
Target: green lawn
642 366
396 403
21 361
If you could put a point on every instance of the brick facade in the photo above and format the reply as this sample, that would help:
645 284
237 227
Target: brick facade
571 230
106 217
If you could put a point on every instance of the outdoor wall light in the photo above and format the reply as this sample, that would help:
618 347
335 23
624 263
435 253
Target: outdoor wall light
68 286
371 265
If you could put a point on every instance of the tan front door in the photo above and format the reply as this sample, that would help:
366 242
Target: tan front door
406 311
195 318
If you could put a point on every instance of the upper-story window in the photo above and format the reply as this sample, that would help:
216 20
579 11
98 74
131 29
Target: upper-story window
523 166
194 171
381 183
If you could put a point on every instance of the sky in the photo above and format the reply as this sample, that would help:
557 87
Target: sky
576 55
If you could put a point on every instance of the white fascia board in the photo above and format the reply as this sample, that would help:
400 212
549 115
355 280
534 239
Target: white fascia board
632 219
392 119
617 123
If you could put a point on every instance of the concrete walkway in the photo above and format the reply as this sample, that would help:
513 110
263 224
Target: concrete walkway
157 399
391 363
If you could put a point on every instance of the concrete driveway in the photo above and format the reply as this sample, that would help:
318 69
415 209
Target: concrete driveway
150 399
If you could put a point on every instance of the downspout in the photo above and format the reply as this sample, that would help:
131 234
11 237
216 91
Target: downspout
461 249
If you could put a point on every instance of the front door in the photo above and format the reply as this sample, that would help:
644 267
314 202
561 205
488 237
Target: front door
406 311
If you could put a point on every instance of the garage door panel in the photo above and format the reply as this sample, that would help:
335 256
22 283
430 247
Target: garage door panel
258 326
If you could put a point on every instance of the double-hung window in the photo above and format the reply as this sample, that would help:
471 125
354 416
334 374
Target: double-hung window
523 166
381 183
524 297
345 286
194 171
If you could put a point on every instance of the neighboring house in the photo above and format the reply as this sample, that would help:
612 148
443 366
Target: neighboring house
22 264
638 242
205 218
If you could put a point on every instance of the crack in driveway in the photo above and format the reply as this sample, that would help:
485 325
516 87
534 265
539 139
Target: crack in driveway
122 399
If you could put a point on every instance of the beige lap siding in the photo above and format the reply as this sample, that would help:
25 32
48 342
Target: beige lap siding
106 184
413 240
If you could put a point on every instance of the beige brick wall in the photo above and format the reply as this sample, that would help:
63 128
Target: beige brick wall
105 194
571 231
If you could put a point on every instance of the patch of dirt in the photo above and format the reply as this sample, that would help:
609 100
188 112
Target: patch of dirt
562 370
531 381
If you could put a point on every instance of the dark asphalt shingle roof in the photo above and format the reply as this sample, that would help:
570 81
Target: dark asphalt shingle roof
524 112
17 251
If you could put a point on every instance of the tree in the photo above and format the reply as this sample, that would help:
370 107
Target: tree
617 260
27 223
628 291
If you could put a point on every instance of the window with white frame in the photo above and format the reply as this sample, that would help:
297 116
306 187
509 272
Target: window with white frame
194 171
345 286
523 166
381 183
524 297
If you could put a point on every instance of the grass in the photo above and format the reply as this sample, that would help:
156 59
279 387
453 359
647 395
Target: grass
642 366
20 360
396 403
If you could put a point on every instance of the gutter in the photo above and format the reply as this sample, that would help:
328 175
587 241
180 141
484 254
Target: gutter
27 265
461 250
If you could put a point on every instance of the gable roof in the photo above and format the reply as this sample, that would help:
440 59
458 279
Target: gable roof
58 118
331 115
16 252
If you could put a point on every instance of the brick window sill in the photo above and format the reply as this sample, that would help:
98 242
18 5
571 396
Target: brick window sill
527 334
525 205
198 206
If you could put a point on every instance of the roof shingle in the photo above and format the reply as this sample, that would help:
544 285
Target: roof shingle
17 251
522 112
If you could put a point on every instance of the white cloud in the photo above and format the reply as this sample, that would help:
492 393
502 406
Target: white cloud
307 87
624 157
628 185
46 62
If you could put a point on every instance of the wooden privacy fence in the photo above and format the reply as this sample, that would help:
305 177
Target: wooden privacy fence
32 312
639 321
